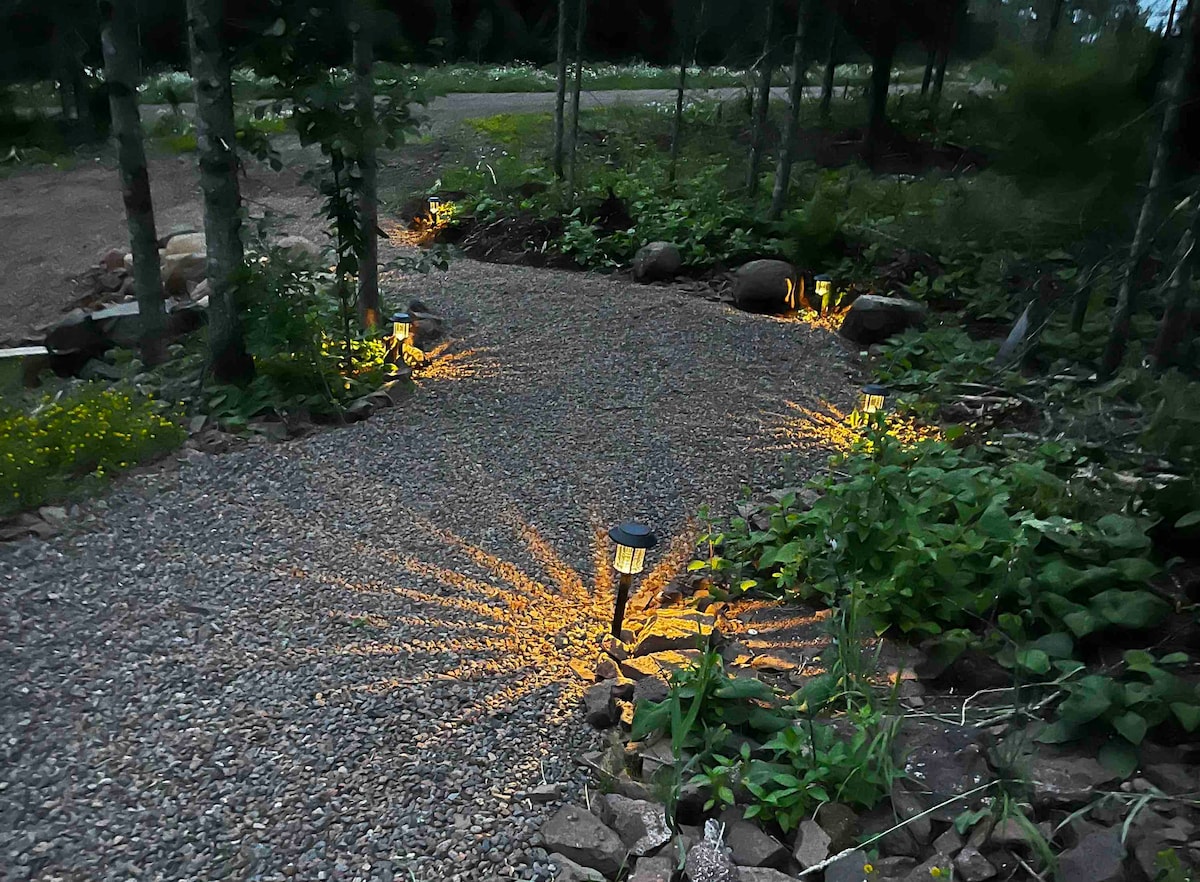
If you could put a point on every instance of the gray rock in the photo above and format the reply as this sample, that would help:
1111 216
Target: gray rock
948 843
909 807
942 761
749 845
298 247
840 822
569 871
544 793
762 285
656 261
651 689
873 319
76 333
1066 780
762 874
580 836
972 866
1097 858
652 869
812 844
924 872
642 825
849 868
659 664
185 243
599 706
180 269
674 629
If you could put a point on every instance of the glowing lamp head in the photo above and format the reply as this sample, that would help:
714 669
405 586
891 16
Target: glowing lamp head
435 208
631 540
402 326
873 398
823 287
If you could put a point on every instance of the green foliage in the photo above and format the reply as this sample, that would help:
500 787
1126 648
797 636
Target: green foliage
82 434
935 360
1142 697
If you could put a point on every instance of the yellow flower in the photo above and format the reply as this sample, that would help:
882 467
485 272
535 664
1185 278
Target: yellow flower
936 872
868 869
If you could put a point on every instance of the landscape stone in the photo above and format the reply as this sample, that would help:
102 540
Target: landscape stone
840 822
942 761
972 866
672 629
656 261
111 259
651 689
873 319
849 867
1066 780
569 871
908 808
298 247
599 707
652 869
180 269
544 793
762 285
614 647
581 837
1097 858
641 824
763 874
949 842
749 844
925 872
76 332
812 844
894 867
606 668
660 664
185 243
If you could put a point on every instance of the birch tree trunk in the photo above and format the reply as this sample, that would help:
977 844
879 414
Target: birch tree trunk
761 109
1122 322
830 71
561 98
368 200
576 89
787 151
217 158
120 66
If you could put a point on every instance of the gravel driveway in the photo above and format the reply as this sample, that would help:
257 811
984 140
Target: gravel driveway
346 656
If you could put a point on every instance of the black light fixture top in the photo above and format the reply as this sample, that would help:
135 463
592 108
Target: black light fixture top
633 535
822 278
402 317
875 389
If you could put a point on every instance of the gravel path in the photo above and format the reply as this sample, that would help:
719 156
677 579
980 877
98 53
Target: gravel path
344 657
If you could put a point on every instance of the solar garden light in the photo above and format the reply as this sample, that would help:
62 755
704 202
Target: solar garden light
631 540
402 327
873 398
435 208
823 290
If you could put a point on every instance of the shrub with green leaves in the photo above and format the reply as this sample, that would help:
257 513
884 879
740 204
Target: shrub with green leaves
78 437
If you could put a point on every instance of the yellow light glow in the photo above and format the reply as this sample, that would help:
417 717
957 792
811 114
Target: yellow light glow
870 403
629 561
833 429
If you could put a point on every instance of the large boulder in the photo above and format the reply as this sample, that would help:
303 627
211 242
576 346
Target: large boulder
580 836
186 243
178 270
873 319
298 247
763 285
656 261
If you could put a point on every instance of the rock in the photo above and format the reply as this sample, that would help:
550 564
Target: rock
762 285
359 409
812 844
109 282
709 859
908 807
762 874
938 866
76 333
943 761
1097 858
948 843
1066 780
627 786
111 259
972 866
569 871
660 664
749 845
894 867
840 822
623 688
674 629
652 869
298 247
873 319
544 793
656 261
606 669
614 647
641 824
180 269
849 868
651 689
185 243
1011 833
580 836
599 707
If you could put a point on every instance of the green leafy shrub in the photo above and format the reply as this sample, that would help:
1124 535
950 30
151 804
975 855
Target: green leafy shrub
84 434
931 361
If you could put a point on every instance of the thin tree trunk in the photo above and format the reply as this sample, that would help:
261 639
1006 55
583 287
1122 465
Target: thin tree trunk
119 69
561 98
1170 19
1052 30
830 71
881 80
927 77
1118 335
576 90
217 158
939 76
83 111
368 199
787 151
758 132
684 8
1171 326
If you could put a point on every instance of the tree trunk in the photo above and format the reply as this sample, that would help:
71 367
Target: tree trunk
217 158
1118 335
939 76
677 122
787 151
1170 19
1171 326
368 200
881 80
766 68
119 71
1052 31
561 98
927 78
830 70
576 89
